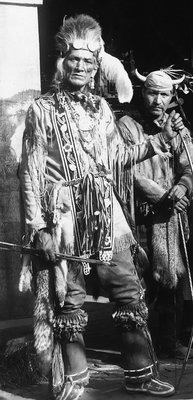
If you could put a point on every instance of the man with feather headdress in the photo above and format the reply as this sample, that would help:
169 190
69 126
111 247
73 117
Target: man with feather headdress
162 191
72 160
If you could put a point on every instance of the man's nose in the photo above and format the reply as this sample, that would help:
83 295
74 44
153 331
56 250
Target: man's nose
158 98
80 65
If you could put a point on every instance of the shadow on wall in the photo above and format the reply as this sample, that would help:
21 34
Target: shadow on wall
12 120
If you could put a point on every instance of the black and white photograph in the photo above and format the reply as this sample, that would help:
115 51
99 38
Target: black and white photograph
96 199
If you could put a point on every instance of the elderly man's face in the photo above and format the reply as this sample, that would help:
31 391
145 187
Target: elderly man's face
156 102
79 66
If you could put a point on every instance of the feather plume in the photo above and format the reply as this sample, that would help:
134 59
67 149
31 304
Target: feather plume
114 71
81 27
173 72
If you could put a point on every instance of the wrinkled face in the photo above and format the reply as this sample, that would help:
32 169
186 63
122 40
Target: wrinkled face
156 101
79 65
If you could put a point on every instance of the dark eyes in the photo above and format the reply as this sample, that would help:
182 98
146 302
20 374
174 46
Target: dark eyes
77 60
161 94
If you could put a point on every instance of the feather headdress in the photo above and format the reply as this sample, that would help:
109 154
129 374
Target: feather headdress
79 32
84 32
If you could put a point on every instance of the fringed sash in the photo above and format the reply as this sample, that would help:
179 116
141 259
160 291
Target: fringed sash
96 236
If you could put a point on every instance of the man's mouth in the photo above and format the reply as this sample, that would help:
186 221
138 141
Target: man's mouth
78 76
156 108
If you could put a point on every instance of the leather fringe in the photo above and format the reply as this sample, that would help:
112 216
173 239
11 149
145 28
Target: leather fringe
130 316
68 325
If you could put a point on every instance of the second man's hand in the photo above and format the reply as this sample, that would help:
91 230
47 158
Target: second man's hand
173 125
179 198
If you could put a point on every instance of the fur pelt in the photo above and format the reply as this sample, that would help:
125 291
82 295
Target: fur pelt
51 282
43 321
168 264
62 234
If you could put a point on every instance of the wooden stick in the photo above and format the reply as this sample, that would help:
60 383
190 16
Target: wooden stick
35 252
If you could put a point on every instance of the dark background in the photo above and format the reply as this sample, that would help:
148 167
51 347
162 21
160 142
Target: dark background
144 34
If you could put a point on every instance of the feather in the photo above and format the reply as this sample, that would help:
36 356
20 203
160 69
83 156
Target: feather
173 72
114 71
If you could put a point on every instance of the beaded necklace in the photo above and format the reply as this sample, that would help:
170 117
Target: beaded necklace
86 113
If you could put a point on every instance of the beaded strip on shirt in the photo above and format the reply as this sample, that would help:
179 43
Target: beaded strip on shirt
62 105
86 116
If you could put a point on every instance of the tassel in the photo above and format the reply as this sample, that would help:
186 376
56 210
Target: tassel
25 281
58 378
61 271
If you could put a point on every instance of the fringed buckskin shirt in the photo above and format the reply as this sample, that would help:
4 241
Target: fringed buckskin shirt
71 141
153 178
158 174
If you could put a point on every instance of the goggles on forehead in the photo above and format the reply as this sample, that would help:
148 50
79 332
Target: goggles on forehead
80 44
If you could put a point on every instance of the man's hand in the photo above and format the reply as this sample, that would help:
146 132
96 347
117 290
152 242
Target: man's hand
182 204
178 196
43 241
177 122
177 193
172 126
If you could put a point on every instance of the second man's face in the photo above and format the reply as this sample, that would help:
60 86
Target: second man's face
79 65
156 102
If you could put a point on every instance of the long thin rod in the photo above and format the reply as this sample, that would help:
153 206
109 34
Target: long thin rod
28 250
191 291
187 151
186 256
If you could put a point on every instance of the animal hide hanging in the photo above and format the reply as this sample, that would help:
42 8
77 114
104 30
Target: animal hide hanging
43 321
167 259
62 232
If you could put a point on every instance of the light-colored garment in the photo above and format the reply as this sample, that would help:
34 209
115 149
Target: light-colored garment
153 178
95 144
156 175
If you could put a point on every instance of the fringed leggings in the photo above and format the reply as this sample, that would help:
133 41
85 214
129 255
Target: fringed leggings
123 287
